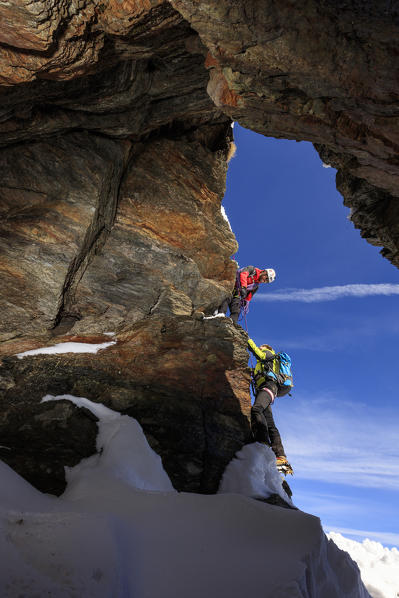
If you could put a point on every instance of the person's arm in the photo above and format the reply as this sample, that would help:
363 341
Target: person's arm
255 350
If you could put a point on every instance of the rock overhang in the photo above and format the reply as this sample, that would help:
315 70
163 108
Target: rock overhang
115 136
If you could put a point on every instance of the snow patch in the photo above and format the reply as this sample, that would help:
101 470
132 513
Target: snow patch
225 217
123 453
218 315
253 473
67 348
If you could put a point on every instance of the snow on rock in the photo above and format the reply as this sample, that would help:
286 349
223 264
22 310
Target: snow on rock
219 315
379 566
120 530
67 348
123 453
253 473
225 216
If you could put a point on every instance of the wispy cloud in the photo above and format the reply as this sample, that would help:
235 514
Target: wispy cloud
342 443
331 293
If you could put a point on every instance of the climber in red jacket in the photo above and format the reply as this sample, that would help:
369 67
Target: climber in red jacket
247 283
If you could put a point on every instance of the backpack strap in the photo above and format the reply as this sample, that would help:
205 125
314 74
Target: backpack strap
272 357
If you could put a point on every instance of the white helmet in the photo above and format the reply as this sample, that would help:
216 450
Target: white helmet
271 274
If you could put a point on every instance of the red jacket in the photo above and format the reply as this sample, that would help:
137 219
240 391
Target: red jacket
250 276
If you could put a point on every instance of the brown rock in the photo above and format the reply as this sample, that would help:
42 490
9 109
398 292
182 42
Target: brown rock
325 72
31 26
58 202
169 249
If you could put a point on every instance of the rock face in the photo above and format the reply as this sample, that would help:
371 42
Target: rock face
326 72
101 231
114 142
183 379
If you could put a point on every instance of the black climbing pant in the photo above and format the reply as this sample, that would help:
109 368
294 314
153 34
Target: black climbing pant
263 427
234 304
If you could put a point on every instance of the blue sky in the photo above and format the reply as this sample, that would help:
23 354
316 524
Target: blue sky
341 428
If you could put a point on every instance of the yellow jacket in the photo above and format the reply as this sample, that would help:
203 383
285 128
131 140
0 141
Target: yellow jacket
259 376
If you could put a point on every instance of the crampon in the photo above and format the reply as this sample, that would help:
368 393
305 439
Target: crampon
283 466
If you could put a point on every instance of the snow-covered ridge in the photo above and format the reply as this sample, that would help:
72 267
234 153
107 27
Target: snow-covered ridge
121 530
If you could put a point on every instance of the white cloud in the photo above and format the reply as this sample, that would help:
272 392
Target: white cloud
379 566
331 293
383 537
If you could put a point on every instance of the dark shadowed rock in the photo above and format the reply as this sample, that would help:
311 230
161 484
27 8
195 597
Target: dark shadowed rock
39 439
184 380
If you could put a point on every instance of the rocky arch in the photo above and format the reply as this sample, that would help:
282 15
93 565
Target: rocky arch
114 140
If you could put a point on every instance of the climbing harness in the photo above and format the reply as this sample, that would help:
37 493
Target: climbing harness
244 304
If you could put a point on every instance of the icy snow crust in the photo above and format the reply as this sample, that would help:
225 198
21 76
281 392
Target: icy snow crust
121 531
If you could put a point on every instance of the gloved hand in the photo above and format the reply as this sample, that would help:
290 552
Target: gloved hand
243 292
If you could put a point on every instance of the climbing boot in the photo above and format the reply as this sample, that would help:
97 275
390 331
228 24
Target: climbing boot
283 466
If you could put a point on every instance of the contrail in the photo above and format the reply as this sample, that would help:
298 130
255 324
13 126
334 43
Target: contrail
331 293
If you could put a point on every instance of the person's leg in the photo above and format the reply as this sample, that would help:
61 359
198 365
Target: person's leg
235 307
258 420
274 434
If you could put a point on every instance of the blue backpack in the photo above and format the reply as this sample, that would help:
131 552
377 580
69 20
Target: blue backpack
278 368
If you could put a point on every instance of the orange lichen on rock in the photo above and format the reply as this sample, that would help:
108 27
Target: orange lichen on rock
117 17
219 90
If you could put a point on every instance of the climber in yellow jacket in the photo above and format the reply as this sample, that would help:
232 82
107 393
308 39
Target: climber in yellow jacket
269 383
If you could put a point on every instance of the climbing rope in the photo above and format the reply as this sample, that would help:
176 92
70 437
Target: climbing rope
243 317
253 387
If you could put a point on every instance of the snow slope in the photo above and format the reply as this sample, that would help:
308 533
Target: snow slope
120 530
